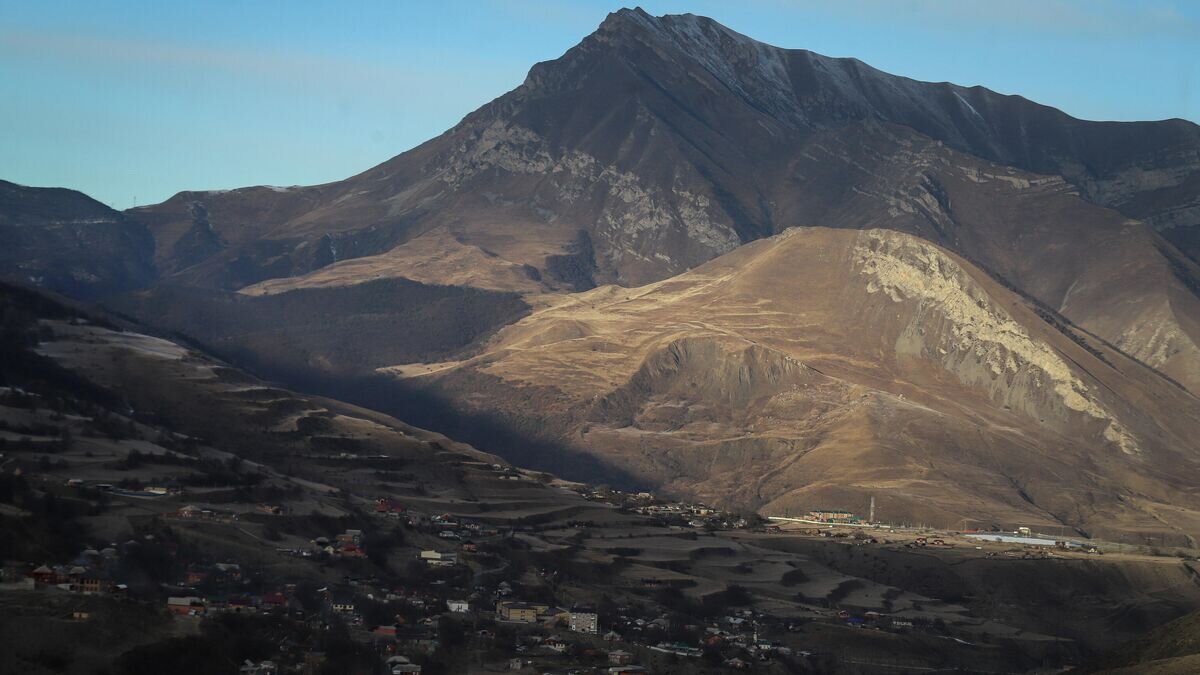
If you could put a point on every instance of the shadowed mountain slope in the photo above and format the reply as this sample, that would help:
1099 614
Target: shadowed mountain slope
1170 649
68 242
343 330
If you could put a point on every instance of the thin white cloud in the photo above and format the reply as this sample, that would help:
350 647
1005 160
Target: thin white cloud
298 68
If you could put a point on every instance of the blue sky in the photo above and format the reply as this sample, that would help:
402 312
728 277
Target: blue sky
134 101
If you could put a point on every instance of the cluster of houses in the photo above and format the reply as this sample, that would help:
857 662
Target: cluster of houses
578 620
74 578
159 490
833 516
396 642
90 573
222 573
420 636
206 588
533 645
348 544
448 526
453 530
238 604
697 515
390 507
736 634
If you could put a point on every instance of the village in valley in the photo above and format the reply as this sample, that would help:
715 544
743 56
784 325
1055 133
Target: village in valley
596 584
306 536
461 586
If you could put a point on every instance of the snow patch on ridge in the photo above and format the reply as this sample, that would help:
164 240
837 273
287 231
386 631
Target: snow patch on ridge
968 105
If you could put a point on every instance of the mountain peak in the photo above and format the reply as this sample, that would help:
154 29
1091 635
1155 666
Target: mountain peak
685 30
673 49
625 16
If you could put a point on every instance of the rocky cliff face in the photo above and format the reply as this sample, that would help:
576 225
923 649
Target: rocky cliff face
67 242
954 323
